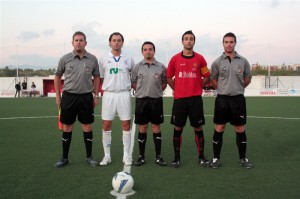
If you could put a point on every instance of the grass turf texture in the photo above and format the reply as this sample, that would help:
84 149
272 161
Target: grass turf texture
31 143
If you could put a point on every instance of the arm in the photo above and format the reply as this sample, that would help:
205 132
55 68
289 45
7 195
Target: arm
133 85
164 86
247 74
205 81
247 81
170 81
133 76
96 87
57 84
214 83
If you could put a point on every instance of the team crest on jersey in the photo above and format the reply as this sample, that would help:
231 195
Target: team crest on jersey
157 76
240 70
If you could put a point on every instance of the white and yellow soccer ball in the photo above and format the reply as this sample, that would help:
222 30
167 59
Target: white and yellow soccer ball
122 182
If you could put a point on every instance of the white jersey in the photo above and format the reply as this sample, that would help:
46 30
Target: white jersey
116 72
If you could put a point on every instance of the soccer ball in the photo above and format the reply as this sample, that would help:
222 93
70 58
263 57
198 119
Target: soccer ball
122 182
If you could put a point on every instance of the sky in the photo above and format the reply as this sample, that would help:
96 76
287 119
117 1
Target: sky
37 33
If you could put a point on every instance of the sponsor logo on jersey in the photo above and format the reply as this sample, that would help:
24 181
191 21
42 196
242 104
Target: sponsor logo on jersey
187 75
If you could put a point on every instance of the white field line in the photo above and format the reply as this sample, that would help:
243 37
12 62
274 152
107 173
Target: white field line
249 116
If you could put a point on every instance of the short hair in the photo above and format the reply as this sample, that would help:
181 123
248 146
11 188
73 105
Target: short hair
116 33
79 33
189 32
148 42
230 34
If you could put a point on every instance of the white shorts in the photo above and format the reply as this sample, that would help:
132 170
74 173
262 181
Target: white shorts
113 103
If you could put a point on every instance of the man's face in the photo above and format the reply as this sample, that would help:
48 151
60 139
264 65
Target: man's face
188 41
148 52
79 43
116 42
229 44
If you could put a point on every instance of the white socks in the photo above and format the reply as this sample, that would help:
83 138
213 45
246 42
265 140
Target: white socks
106 140
126 143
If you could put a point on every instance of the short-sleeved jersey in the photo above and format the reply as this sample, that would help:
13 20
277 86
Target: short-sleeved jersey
149 79
230 74
78 72
116 72
188 73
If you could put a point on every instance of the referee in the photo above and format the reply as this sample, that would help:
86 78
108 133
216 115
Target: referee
77 99
149 81
230 75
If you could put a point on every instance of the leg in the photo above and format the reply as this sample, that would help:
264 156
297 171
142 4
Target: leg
66 141
126 142
200 141
142 139
217 145
241 142
177 141
178 119
88 141
157 143
106 141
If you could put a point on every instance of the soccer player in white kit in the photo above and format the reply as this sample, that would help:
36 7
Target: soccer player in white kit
116 85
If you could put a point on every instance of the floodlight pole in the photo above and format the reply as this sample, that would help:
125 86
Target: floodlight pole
269 68
17 62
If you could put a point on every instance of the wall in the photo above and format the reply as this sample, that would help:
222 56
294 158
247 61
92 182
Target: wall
260 86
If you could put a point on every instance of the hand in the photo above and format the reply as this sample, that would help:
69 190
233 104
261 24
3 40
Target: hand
96 101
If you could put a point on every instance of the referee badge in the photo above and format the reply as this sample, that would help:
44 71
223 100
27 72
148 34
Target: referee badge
157 76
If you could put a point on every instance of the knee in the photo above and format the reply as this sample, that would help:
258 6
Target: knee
126 125
178 128
143 128
155 128
86 127
240 129
220 128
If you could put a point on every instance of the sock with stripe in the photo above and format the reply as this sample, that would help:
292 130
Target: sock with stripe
66 141
88 141
241 142
217 143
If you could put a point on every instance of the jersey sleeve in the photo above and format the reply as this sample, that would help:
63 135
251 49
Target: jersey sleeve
214 70
163 75
101 68
247 71
132 63
134 72
204 70
96 68
60 69
170 73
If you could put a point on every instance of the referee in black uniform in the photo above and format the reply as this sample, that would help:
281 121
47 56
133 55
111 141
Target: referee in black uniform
78 67
230 75
149 81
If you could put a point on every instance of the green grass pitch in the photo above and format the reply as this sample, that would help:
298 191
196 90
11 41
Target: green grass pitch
30 144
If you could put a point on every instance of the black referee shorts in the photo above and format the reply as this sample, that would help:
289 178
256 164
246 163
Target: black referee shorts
191 107
149 110
73 105
230 109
